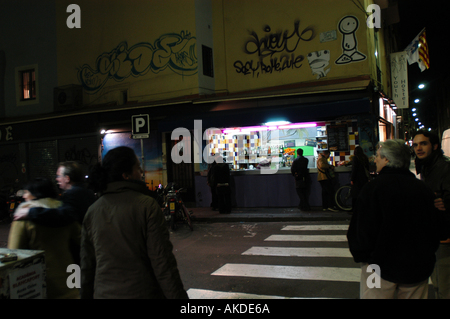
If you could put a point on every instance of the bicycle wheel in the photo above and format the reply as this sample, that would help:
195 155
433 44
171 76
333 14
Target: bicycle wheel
187 218
344 197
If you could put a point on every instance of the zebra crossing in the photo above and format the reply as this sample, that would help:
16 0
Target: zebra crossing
318 244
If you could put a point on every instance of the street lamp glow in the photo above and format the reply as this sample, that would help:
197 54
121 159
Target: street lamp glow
416 119
421 86
414 114
416 101
414 109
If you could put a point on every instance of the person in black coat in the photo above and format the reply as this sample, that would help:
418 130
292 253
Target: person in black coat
221 182
395 229
360 173
299 170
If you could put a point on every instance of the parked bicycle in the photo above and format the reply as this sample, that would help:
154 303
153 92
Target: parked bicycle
343 197
174 209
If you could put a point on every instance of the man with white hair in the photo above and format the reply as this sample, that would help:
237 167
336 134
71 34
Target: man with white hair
396 228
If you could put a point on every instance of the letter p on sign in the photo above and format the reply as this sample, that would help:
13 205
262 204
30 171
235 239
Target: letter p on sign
140 126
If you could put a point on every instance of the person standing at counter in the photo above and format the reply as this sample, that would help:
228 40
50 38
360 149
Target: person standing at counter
360 173
221 182
325 176
299 170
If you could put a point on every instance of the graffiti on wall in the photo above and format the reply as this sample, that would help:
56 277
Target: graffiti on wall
347 27
274 51
173 51
318 62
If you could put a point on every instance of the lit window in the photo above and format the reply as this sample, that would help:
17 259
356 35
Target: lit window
28 83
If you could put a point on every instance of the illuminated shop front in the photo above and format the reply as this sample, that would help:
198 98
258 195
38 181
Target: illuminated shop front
387 123
275 145
260 158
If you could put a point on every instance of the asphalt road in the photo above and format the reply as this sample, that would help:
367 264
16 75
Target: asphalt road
266 260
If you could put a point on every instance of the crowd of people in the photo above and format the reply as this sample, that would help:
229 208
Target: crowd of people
116 231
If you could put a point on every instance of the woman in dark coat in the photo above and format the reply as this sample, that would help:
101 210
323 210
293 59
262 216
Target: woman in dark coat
125 247
360 173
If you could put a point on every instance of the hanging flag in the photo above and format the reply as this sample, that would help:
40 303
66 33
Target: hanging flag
417 51
423 51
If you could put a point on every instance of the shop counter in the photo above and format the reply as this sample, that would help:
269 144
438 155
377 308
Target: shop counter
253 188
23 278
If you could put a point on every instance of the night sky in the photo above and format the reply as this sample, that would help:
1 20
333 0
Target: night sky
434 15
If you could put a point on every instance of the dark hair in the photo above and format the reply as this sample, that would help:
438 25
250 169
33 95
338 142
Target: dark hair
299 152
41 188
361 156
116 162
73 170
433 137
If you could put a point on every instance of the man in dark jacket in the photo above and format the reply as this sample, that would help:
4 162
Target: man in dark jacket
299 170
395 229
434 170
221 182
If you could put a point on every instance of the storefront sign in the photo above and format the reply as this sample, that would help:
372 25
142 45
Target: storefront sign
399 78
26 283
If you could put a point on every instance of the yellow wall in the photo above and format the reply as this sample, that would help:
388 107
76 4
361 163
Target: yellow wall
292 30
105 24
248 24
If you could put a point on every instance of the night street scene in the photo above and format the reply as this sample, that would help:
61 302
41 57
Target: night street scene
239 156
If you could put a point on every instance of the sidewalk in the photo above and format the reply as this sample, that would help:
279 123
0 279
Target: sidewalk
266 214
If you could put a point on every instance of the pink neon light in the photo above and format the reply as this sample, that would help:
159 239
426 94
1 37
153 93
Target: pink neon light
296 125
253 128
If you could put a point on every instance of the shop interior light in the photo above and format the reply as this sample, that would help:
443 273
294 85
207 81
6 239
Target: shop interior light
296 125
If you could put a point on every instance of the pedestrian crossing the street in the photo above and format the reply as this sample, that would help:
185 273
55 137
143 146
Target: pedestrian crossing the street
304 242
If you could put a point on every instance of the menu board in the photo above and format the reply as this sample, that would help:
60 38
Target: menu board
337 138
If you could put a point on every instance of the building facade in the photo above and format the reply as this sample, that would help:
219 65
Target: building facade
200 65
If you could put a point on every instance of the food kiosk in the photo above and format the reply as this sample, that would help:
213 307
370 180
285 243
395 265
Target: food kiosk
260 159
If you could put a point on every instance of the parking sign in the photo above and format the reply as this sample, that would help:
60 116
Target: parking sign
140 126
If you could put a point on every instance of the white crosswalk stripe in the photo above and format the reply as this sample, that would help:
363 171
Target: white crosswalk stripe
316 227
307 233
290 272
307 238
298 252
